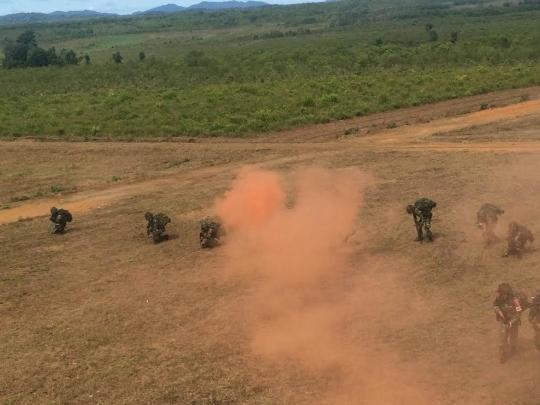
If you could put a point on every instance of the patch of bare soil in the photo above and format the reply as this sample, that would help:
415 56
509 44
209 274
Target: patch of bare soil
417 133
512 130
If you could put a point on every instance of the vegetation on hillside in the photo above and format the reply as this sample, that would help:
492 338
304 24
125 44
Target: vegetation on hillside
24 52
240 72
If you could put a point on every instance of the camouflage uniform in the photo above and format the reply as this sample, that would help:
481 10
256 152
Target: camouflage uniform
534 319
487 219
150 222
155 227
508 309
60 218
518 236
421 212
208 236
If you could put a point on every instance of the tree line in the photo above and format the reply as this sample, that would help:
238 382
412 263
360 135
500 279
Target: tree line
24 52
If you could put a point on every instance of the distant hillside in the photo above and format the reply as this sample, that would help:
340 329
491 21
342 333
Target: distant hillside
168 8
84 13
205 5
217 5
24 18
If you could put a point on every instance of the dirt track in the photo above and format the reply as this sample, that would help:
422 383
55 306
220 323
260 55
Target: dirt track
101 315
405 138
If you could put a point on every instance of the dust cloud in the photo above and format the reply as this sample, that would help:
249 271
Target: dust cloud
291 246
313 301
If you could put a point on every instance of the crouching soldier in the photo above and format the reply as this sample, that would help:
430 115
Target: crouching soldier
486 220
421 212
518 236
156 226
209 234
60 218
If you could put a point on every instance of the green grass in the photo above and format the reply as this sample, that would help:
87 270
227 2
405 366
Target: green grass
244 109
17 198
176 162
239 73
54 189
58 188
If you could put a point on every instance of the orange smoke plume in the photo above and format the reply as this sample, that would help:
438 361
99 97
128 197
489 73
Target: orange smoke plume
306 295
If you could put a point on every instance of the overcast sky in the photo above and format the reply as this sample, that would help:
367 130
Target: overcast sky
106 6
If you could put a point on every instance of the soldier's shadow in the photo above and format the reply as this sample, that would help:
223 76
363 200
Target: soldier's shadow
66 231
524 253
437 236
529 251
526 348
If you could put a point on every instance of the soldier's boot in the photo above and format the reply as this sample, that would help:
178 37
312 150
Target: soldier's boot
429 235
57 230
420 236
519 254
506 253
160 238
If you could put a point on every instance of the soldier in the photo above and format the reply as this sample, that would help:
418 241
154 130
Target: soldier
150 222
421 212
534 319
508 309
518 236
60 218
486 220
156 226
209 234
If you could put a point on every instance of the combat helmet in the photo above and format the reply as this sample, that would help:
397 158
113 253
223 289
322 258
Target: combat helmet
409 209
54 211
505 289
148 216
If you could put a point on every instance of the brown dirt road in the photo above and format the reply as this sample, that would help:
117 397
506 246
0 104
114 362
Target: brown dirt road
101 315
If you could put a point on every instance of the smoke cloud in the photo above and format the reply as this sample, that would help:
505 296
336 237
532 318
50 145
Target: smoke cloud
290 246
312 300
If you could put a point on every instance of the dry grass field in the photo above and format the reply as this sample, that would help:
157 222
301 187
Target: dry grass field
318 294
